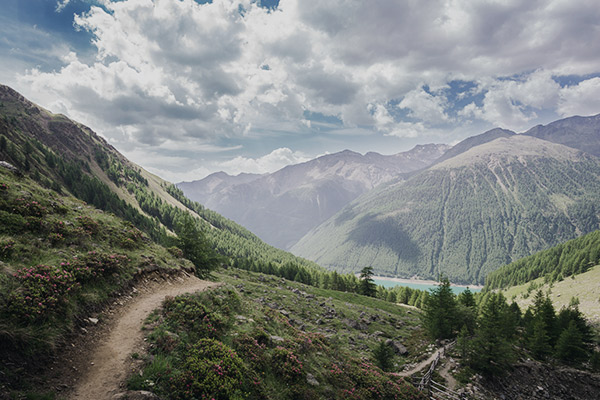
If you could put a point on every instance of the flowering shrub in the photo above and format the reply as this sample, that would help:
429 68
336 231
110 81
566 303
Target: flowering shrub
251 350
56 238
29 208
212 370
94 264
3 186
60 227
286 364
188 313
362 380
88 224
6 248
43 290
35 224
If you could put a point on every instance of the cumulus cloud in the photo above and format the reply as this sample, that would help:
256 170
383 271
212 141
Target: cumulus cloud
178 71
512 103
580 99
271 162
425 106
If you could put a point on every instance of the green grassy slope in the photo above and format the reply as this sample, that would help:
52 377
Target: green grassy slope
584 287
570 258
466 216
68 157
284 340
60 259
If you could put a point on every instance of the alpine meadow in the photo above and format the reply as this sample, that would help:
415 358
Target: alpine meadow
299 200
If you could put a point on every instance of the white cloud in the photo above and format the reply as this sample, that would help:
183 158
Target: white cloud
581 99
271 162
512 103
175 71
425 106
60 5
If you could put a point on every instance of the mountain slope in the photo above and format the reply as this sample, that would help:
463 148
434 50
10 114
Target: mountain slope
581 133
466 216
68 157
281 207
473 141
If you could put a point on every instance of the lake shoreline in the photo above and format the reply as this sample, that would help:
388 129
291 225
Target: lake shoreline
424 282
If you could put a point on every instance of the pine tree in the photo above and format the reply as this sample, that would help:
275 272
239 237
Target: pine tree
195 247
440 317
367 286
570 347
493 352
384 356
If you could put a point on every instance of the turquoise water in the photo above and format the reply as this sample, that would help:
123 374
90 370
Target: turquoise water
422 286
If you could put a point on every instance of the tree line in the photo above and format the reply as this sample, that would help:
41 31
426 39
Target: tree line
491 333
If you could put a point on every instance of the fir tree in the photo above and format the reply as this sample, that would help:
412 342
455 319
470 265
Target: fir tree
570 347
367 286
440 315
195 247
493 353
384 356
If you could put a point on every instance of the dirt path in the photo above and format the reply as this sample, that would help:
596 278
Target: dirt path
108 362
420 366
445 373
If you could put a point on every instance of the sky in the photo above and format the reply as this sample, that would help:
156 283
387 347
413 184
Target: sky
185 88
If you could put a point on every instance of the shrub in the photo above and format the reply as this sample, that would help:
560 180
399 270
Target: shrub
11 223
362 380
189 314
175 251
212 370
6 248
252 350
94 265
286 364
29 208
43 290
56 238
88 224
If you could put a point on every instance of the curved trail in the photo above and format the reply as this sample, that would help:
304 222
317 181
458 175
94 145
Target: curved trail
423 363
108 361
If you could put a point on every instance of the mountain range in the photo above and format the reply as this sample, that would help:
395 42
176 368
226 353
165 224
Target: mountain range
66 156
283 206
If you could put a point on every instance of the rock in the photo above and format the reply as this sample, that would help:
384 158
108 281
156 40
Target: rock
276 339
135 395
8 166
398 347
93 321
311 380
285 312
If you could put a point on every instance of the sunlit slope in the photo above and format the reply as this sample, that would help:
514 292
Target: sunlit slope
467 216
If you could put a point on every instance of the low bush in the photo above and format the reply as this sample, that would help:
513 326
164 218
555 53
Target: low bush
44 290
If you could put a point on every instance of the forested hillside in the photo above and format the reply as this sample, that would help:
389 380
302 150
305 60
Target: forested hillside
467 216
570 258
68 157
283 206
